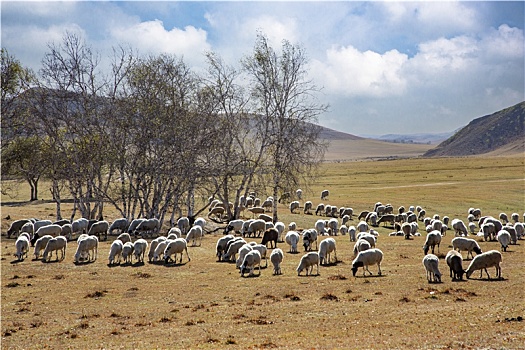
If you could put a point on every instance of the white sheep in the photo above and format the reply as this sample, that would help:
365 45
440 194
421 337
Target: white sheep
504 238
362 226
343 230
520 230
299 193
431 262
119 224
320 226
309 237
468 244
319 209
256 227
492 258
292 226
79 226
333 226
455 264
263 250
200 222
41 223
40 244
512 231
308 261
308 206
183 224
177 246
139 249
280 227
245 249
22 247
351 233
16 227
28 227
294 206
326 247
251 259
153 245
292 238
503 218
472 227
433 239
53 230
99 228
367 257
87 247
234 225
232 248
368 237
276 257
115 250
459 227
361 245
221 245
134 224
127 252
489 231
515 217
159 249
124 237
55 244
148 227
194 235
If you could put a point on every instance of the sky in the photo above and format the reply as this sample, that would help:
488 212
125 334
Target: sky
382 67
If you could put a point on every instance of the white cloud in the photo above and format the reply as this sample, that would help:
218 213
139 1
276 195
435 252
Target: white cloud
505 42
275 29
349 72
446 54
152 37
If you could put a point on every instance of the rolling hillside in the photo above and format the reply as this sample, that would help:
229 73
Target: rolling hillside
499 133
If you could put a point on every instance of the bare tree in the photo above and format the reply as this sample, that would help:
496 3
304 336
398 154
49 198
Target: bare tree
287 99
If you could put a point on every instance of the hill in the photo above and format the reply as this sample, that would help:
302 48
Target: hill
497 133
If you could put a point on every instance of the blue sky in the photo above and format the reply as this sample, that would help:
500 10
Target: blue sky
385 67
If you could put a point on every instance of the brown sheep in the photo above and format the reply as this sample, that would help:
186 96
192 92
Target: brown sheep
270 235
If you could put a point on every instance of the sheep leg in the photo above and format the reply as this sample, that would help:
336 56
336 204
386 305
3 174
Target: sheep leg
186 255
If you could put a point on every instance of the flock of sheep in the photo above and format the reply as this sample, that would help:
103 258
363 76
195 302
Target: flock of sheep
48 237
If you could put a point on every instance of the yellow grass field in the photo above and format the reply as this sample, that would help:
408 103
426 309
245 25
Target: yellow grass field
204 304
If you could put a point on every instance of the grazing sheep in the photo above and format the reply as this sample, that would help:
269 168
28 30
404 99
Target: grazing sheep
265 218
67 231
512 231
285 197
362 226
79 226
119 224
134 224
194 234
177 246
294 206
520 230
498 226
16 226
407 229
325 194
87 247
343 229
55 244
115 250
256 210
127 252
292 226
280 227
361 245
148 227
153 245
308 207
28 228
159 249
515 217
421 215
489 231
309 237
372 218
22 247
271 236
53 230
468 244
292 238
433 239
183 224
124 237
492 258
346 212
333 227
299 194
472 227
386 219
503 238
41 223
267 205
503 218
455 264
255 228
326 247
98 228
319 209
235 226
276 258
351 233
308 261
40 244
334 211
368 237
221 245
263 251
365 258
232 248
431 262
245 249
251 259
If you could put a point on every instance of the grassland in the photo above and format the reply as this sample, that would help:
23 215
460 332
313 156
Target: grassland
205 304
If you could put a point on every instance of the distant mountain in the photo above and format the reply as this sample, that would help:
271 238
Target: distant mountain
427 138
503 131
330 134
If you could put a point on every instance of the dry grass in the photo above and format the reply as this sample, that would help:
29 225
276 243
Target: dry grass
206 304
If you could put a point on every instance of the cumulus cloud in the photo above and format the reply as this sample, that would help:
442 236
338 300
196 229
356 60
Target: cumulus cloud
152 37
349 72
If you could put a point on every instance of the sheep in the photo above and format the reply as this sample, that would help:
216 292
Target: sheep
194 234
489 231
365 258
28 228
235 226
433 239
515 217
139 249
361 245
177 246
292 226
362 226
134 224
503 218
22 247
256 227
277 258
285 197
319 227
503 238
520 230
368 237
346 212
87 246
389 218
292 238
326 247
40 244
431 262
280 227
333 226
299 194
256 210
265 218
98 228
53 230
319 209
159 249
271 236
55 244
124 237
245 249
351 233
148 227
455 264
308 208
492 258
115 250
41 223
16 226
343 229
334 211
421 215
407 229
309 237
119 224
183 224
268 205
153 245
252 259
308 261
174 232
232 248
221 245
372 218
468 244
79 226
127 252
263 251
512 231
67 231
324 194
497 224
476 212
472 228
